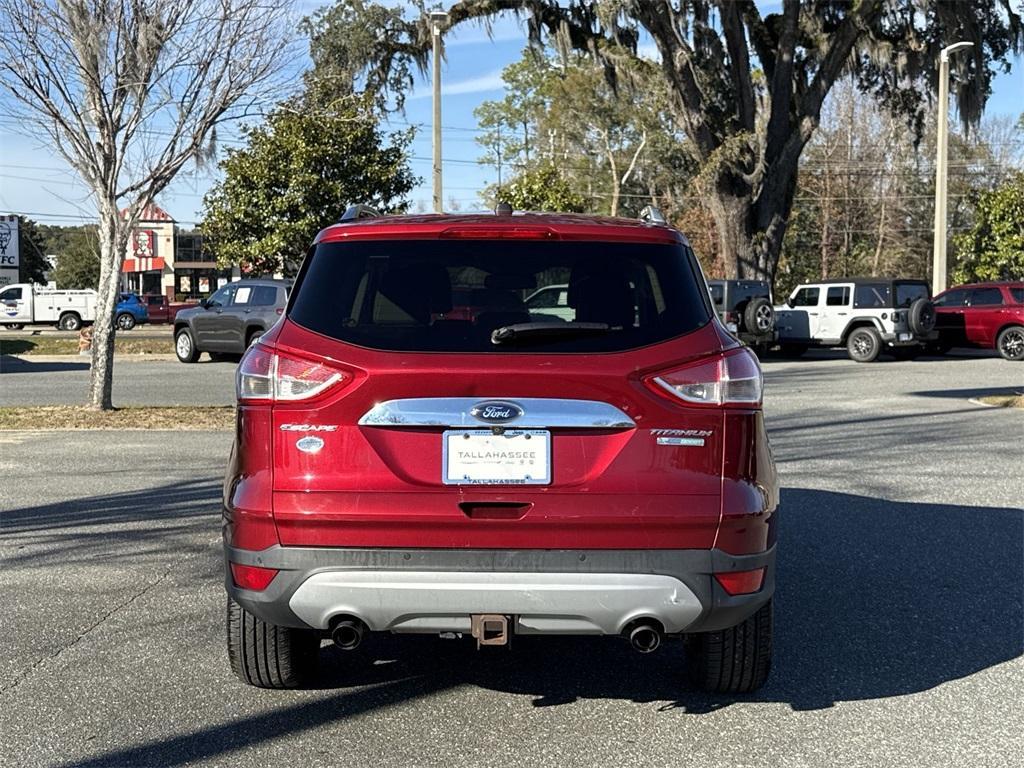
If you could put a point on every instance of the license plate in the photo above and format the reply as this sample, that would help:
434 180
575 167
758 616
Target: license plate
480 457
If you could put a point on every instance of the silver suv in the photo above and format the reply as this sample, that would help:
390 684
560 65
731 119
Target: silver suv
229 321
866 315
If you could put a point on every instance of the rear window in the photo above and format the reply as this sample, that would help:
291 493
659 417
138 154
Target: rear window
908 293
717 293
743 292
450 295
264 295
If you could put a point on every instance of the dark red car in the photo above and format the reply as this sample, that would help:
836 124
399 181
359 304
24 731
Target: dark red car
987 315
398 468
159 308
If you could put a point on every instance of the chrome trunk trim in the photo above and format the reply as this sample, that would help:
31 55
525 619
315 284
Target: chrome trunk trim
537 413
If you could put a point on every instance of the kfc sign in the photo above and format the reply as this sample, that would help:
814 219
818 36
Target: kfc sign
143 244
9 242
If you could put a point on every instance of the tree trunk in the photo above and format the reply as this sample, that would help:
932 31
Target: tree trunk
751 225
734 224
113 242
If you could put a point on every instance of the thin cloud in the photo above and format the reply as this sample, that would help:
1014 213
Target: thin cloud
481 84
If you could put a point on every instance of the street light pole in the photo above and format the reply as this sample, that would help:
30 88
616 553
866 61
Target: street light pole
941 152
437 20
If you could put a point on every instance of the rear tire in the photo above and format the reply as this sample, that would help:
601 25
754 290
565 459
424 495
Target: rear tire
266 655
185 346
864 345
1010 343
733 660
759 317
69 321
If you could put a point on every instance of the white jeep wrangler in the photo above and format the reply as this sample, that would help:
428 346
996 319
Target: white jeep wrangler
866 315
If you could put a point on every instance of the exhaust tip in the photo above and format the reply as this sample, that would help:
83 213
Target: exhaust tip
348 634
645 638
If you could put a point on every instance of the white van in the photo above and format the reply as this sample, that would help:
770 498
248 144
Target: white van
25 303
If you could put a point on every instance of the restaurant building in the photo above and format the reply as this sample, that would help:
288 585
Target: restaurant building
165 259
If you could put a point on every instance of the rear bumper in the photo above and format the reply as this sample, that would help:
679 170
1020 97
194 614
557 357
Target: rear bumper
907 339
547 591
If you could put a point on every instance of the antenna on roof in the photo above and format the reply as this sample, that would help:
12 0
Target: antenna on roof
503 209
652 215
359 211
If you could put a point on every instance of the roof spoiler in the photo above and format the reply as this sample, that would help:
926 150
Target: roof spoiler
652 215
359 211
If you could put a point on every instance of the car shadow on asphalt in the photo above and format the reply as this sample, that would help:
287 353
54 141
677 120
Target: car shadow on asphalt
875 599
9 364
966 394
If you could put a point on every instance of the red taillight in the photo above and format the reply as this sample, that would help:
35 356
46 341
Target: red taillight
741 582
733 378
252 576
275 376
489 233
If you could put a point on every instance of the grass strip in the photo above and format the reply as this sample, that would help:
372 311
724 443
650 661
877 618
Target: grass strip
1004 401
57 346
62 417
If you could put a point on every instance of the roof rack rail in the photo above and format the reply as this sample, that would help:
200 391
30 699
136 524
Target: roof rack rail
359 211
652 215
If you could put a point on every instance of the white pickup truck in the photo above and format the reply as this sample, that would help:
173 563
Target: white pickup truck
25 303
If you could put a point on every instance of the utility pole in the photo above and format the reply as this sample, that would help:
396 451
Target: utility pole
437 21
941 160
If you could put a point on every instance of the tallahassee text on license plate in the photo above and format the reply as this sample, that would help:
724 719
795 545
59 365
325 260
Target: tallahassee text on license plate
480 457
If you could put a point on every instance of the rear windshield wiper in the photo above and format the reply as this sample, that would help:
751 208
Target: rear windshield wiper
521 330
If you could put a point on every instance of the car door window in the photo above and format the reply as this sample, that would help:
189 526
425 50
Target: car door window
806 297
955 298
838 296
871 295
242 297
1018 295
544 300
986 297
11 294
222 297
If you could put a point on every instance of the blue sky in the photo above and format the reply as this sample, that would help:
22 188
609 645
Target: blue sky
35 182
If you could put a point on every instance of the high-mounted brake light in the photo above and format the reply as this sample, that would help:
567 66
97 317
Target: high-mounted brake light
276 376
730 379
490 233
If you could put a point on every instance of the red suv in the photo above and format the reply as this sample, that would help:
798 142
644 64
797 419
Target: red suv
988 315
398 468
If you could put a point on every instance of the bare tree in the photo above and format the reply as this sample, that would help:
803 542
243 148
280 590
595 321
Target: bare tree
130 92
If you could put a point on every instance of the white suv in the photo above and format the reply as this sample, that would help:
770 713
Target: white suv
866 315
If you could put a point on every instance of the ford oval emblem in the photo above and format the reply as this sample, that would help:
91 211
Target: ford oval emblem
496 411
309 444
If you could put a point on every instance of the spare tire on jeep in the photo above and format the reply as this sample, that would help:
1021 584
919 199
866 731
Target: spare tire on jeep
759 316
921 317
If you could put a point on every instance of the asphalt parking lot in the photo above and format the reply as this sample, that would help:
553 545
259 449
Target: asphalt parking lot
899 616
